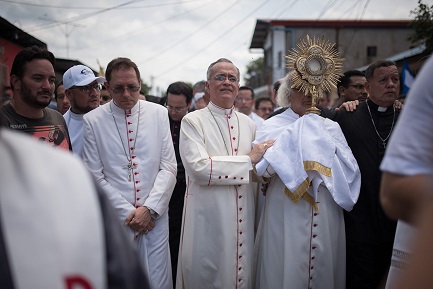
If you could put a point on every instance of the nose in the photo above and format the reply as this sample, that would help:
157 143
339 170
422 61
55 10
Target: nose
126 92
47 83
390 82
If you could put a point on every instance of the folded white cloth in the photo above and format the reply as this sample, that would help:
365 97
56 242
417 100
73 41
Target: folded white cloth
313 150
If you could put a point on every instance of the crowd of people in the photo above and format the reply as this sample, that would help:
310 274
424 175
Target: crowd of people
212 187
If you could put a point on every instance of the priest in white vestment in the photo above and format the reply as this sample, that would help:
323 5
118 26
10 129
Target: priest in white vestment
128 148
216 247
301 237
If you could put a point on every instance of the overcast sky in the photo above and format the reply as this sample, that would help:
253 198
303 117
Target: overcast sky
173 40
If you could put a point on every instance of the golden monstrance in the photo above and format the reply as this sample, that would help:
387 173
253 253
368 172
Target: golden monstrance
317 68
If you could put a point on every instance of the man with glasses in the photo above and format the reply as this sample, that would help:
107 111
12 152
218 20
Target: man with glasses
264 107
179 97
33 81
245 102
82 88
129 150
351 86
217 238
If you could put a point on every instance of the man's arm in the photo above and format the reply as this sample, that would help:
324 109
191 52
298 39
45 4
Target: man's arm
165 180
402 196
207 169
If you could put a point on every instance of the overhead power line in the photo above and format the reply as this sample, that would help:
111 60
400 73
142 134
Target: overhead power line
224 33
95 8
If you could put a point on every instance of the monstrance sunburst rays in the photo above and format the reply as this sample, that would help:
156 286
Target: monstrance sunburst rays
317 67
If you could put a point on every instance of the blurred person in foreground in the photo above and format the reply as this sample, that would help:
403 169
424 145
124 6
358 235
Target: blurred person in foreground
407 187
72 238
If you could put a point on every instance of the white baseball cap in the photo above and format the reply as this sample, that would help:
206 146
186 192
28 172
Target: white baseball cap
80 75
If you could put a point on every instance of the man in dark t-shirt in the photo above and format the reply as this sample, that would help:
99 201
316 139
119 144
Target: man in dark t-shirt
32 82
50 128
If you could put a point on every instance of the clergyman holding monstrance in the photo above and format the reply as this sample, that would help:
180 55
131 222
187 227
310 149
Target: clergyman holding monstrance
313 175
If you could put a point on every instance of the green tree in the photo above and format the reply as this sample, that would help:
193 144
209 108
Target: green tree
145 88
255 75
423 25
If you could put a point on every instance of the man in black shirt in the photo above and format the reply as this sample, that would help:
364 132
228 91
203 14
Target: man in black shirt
179 97
369 233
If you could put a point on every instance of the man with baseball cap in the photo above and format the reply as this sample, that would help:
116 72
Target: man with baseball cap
82 88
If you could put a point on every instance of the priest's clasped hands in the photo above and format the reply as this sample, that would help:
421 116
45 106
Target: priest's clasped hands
140 220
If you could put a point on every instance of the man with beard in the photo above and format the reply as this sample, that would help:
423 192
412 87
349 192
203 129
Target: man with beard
33 80
82 88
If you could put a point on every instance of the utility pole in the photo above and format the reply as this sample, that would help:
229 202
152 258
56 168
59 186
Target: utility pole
66 29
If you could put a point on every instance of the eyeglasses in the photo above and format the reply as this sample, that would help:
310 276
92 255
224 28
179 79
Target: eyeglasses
177 109
88 88
121 89
358 86
240 99
222 77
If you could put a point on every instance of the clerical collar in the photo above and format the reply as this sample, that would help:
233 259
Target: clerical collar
378 108
118 109
215 108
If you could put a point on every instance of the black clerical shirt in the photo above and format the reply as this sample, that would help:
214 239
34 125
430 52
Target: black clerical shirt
367 221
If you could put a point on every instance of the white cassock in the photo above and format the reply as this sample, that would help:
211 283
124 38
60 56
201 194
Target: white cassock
146 141
257 119
301 237
216 247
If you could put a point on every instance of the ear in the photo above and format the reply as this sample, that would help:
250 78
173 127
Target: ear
367 87
16 82
341 90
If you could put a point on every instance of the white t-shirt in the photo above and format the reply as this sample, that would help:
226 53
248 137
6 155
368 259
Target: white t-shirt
75 126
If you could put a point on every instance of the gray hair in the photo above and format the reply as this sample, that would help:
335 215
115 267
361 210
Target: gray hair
209 70
285 91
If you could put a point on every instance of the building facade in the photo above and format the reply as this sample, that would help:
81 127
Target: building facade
358 42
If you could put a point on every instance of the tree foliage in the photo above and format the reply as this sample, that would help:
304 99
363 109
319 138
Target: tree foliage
423 25
255 75
145 88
